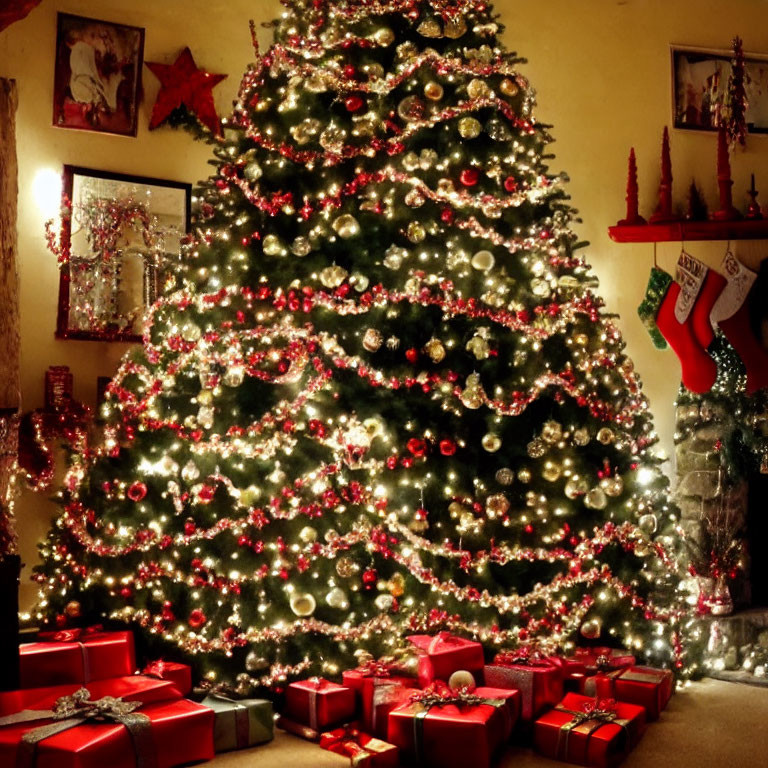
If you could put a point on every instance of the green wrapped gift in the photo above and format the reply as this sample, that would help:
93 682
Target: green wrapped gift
240 723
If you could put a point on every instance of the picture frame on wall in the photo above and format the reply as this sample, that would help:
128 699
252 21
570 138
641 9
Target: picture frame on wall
700 84
122 235
97 77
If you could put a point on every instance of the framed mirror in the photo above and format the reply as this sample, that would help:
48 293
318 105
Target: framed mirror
123 237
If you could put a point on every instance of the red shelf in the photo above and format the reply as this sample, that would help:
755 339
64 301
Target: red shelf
690 230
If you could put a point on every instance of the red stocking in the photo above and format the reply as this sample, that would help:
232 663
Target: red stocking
713 286
699 369
732 315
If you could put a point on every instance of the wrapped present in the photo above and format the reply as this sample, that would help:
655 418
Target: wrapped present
444 729
69 657
362 749
589 731
443 654
240 723
538 678
644 686
386 667
380 697
589 661
319 704
84 733
132 688
178 674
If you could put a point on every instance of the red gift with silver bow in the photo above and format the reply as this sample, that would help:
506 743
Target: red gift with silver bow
443 654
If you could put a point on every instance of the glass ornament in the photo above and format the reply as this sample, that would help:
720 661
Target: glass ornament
393 257
410 162
648 523
333 276
301 246
346 567
315 84
491 442
359 281
552 472
308 534
384 602
496 505
505 476
536 448
591 629
605 436
430 28
332 138
306 130
455 28
461 680
346 226
509 87
255 663
435 350
233 376
372 339
613 486
524 475
575 487
499 131
414 199
272 245
337 598
303 604
596 499
479 347
411 109
253 172
205 416
478 89
416 232
581 436
384 37
191 331
483 261
552 431
470 128
190 472
540 287
433 91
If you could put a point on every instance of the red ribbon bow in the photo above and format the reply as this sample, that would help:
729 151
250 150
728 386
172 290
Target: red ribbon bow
71 635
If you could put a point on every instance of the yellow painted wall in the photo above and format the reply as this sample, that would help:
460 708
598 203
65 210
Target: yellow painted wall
602 71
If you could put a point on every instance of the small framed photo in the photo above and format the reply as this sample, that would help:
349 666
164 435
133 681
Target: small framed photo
97 80
700 86
122 236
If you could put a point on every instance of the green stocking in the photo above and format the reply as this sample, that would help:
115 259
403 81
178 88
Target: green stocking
658 283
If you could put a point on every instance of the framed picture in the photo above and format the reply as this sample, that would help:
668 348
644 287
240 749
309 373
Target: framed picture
123 237
700 85
97 80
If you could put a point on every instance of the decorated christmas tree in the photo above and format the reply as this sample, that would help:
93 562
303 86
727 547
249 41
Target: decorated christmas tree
379 396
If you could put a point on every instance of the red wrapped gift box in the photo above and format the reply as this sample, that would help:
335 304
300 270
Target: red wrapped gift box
94 657
363 750
319 704
178 674
147 690
444 654
452 735
539 680
644 686
589 661
588 731
179 732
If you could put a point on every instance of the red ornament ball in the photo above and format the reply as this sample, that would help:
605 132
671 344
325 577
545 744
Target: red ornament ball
447 447
197 619
350 72
354 103
189 527
510 184
412 355
370 577
137 491
469 177
417 446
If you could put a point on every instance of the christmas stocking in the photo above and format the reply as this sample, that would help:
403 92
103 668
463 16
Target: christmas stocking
658 312
731 313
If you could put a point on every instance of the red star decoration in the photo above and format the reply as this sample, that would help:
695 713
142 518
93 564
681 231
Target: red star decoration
183 84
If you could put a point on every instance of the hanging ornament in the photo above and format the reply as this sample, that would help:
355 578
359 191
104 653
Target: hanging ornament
479 347
581 436
472 395
470 128
478 89
370 577
605 436
354 103
197 619
346 226
433 91
524 475
301 246
73 609
233 376
384 603
648 524
469 177
414 199
416 232
575 487
536 448
491 442
435 350
430 28
461 680
552 432
509 88
182 84
613 486
333 277
505 476
346 567
552 472
337 598
483 261
308 534
253 172
447 447
411 109
496 505
272 245
499 131
372 339
384 37
190 472
540 288
332 139
205 416
303 604
137 491
455 28
596 499
591 629
396 585
255 663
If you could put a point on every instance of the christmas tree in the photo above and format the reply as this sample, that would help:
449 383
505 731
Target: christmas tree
380 395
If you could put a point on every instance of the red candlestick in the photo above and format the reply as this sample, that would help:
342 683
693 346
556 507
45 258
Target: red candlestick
663 212
633 217
753 209
724 182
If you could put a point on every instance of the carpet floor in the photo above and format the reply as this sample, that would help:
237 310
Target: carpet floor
711 724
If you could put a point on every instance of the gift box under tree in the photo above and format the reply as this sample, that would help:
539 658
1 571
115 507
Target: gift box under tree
443 654
363 750
643 686
240 723
587 731
178 674
583 663
438 728
316 705
538 678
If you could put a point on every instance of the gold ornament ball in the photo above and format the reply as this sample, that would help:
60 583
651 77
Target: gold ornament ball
469 128
509 87
505 476
346 226
576 487
308 534
337 598
430 28
333 277
396 585
461 679
255 663
301 246
456 509
411 109
524 475
491 442
581 339
496 505
581 436
303 604
253 172
455 29
648 524
73 609
552 472
435 350
552 431
372 340
416 232
478 89
472 398
384 37
384 602
346 567
605 436
272 245
596 499
591 628
536 448
433 91
613 486
479 347
483 261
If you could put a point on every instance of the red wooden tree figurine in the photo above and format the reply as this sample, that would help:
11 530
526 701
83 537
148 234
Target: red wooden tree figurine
726 212
633 217
663 212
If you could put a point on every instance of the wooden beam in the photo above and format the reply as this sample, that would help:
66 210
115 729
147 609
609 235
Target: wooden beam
9 279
